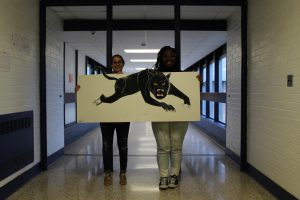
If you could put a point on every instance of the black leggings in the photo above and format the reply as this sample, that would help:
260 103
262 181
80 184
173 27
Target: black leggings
108 130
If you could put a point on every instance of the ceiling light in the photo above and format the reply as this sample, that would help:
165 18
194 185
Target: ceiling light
142 60
141 50
140 68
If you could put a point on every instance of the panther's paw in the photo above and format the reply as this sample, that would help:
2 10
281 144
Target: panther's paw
187 105
97 101
187 102
167 107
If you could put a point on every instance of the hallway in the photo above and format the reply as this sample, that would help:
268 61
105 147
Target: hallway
206 172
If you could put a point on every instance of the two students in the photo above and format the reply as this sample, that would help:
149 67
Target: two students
169 135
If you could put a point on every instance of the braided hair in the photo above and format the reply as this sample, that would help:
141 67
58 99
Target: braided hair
159 64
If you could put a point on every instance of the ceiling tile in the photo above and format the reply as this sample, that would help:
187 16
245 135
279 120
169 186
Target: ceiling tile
89 15
143 12
87 8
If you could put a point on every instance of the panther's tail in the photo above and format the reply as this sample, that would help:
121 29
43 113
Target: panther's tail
105 75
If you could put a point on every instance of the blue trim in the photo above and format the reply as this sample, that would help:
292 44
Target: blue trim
55 156
15 184
233 156
76 131
215 130
270 185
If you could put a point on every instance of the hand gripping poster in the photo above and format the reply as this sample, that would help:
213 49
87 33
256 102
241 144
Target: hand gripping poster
147 95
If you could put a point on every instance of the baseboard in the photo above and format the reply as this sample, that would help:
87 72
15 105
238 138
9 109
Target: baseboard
233 156
74 132
269 185
15 184
52 158
262 179
213 129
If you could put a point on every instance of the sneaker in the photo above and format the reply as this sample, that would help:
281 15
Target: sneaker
163 183
108 179
173 181
123 179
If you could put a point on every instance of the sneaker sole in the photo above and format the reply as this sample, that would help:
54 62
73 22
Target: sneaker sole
172 186
163 188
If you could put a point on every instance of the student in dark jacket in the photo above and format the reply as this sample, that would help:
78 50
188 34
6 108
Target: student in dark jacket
122 130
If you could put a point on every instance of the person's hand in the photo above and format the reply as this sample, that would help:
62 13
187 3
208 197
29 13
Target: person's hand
77 87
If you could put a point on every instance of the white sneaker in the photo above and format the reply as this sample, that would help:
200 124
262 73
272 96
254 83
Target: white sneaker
163 183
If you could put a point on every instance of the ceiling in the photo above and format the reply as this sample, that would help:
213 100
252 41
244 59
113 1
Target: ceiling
194 44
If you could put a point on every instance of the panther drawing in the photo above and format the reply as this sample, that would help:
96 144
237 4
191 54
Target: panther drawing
147 81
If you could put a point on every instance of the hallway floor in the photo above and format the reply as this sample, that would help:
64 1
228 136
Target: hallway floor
206 172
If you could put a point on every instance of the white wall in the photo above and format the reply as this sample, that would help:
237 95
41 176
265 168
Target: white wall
233 124
19 65
81 64
274 108
54 78
70 82
69 69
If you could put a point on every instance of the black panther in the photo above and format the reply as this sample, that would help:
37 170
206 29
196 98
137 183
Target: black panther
147 81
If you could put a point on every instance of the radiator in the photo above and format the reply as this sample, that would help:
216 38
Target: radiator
16 142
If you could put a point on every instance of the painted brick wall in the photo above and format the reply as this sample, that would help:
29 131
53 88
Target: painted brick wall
81 64
233 129
19 65
70 59
274 108
54 78
69 69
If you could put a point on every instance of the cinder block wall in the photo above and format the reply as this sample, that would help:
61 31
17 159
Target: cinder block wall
234 47
19 65
274 108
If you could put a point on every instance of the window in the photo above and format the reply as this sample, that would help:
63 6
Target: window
222 112
204 79
212 77
212 109
88 69
222 74
213 88
203 107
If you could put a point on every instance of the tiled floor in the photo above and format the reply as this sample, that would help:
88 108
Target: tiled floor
206 172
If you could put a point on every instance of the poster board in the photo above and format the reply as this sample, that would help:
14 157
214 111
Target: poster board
133 108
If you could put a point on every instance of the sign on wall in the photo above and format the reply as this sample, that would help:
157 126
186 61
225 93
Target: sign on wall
144 96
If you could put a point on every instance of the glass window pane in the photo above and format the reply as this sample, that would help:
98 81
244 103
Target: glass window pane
222 74
212 77
222 112
203 111
203 79
212 110
88 70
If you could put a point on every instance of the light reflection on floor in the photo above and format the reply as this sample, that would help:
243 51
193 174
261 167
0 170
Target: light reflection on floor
206 172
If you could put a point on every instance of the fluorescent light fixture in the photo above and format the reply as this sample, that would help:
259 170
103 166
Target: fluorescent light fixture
142 60
140 68
141 50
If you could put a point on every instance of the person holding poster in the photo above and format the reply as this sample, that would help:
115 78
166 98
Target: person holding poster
108 129
169 135
122 130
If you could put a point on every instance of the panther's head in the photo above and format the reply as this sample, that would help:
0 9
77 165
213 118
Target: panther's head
159 85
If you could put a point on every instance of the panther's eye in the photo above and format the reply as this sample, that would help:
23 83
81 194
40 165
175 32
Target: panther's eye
163 84
155 84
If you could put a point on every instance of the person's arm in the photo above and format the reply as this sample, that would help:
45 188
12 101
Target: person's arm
77 87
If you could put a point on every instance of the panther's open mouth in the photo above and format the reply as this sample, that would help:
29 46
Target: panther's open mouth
160 92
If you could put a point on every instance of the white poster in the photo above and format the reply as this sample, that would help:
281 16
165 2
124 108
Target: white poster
144 96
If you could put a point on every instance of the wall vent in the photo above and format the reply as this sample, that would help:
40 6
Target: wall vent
16 142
